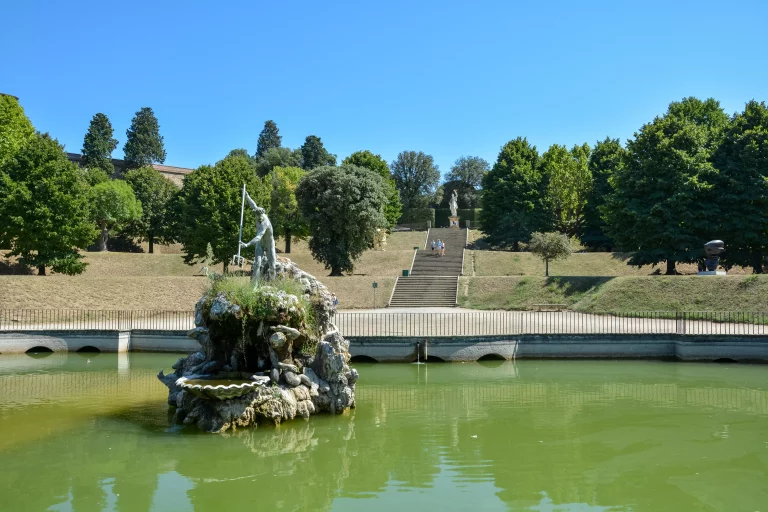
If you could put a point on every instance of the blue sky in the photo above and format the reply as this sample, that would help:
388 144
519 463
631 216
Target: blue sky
448 78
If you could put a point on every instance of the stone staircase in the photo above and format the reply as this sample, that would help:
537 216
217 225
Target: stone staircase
434 279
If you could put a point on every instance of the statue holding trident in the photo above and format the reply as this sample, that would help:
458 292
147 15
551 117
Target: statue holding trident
264 242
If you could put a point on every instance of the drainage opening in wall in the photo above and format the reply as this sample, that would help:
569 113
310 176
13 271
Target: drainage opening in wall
39 352
88 349
362 359
725 360
433 359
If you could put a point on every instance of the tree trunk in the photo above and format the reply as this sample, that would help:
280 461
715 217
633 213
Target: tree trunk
151 240
757 262
103 238
41 270
546 272
287 241
671 268
336 271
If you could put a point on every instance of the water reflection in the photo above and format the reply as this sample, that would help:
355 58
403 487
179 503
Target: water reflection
533 436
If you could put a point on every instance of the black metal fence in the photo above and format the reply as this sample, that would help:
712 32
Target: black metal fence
384 324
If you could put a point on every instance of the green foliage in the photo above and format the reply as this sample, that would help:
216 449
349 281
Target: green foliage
277 157
207 209
418 216
208 255
468 196
550 247
98 146
513 201
44 207
469 169
377 164
742 187
155 192
113 206
664 203
144 144
15 128
569 183
314 155
265 301
269 138
416 177
607 158
344 206
284 210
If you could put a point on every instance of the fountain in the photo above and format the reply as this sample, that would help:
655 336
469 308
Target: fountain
270 351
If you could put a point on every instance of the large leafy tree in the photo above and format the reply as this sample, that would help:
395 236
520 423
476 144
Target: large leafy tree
207 209
44 207
416 177
155 192
607 158
469 169
377 164
144 144
269 138
343 206
314 154
98 145
742 192
569 183
284 210
513 201
15 128
277 157
664 205
113 206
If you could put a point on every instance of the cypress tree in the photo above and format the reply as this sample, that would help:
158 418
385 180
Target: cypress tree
144 144
99 144
268 138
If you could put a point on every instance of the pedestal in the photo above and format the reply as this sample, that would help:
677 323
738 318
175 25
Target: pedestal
712 273
454 222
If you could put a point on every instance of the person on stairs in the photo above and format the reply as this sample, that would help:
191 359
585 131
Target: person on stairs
442 250
433 247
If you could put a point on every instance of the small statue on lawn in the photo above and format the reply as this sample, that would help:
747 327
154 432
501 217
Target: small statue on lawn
712 252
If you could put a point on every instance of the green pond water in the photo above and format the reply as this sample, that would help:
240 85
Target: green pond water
533 435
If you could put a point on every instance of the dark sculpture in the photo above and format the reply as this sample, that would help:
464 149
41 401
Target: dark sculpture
712 252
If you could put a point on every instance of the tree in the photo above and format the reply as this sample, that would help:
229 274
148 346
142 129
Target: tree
377 164
99 144
277 157
144 144
113 206
513 198
15 128
313 154
468 196
569 183
207 209
742 187
44 207
416 177
269 138
663 204
606 159
550 247
469 169
343 206
284 210
155 192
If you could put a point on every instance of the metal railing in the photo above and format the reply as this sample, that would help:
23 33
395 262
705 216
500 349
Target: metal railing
384 324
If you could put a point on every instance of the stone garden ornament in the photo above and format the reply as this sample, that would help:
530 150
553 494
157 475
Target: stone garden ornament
712 251
453 204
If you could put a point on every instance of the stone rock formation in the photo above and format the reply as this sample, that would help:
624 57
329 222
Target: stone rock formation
286 343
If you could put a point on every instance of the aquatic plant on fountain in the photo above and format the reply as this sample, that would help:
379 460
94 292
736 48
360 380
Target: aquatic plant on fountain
270 352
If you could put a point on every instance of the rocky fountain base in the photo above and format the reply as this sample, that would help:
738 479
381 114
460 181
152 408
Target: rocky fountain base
270 353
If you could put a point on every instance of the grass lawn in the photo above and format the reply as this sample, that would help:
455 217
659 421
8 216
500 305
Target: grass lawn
618 294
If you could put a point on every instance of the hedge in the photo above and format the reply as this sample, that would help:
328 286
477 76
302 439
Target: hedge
417 215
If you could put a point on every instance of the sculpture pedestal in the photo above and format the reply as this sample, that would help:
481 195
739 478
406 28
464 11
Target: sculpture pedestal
712 273
454 221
